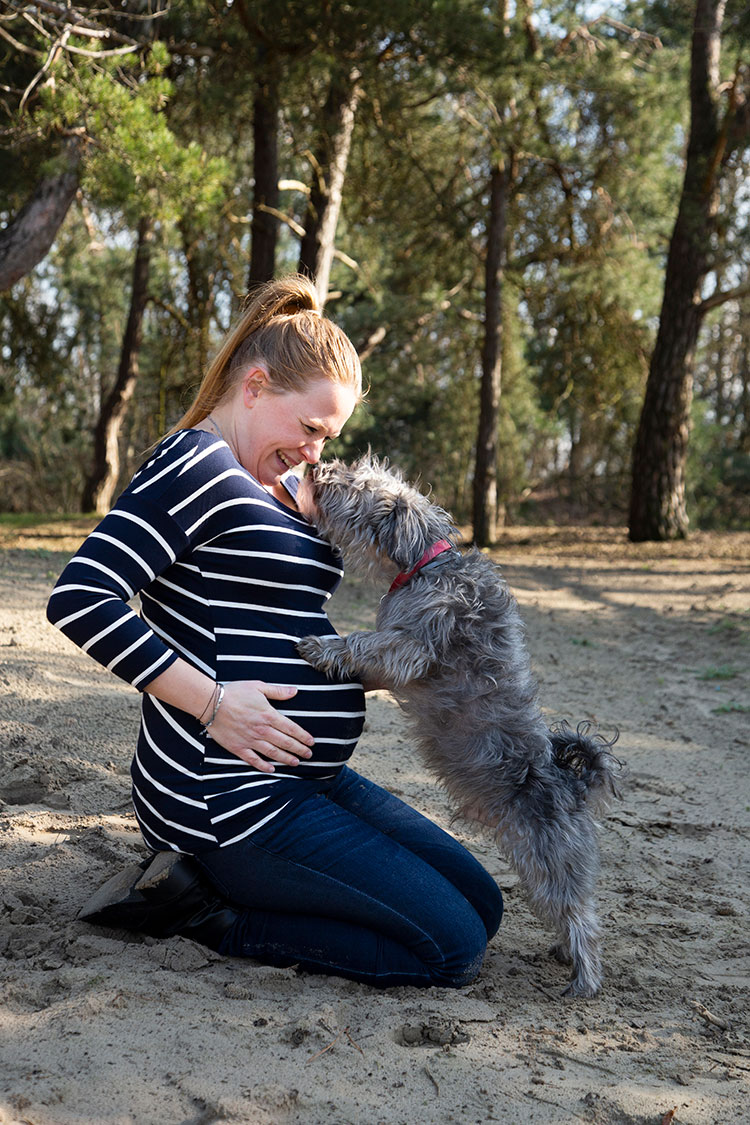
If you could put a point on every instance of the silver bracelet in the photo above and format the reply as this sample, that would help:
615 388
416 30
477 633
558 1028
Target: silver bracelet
217 705
210 704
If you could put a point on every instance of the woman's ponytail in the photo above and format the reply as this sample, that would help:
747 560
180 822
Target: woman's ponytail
281 328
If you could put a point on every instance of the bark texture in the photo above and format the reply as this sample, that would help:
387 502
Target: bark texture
26 240
484 516
657 507
99 490
265 226
329 172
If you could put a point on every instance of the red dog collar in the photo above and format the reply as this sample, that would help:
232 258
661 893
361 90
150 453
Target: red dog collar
431 553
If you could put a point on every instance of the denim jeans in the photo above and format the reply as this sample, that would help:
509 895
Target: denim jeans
358 884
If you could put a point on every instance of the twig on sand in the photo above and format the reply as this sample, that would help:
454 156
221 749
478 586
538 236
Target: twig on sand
544 992
432 1079
709 1017
352 1041
334 1041
573 1059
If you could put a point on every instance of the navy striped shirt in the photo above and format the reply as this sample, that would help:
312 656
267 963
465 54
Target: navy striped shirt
229 578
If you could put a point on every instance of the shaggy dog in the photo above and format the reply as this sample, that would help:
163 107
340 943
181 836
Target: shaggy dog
449 645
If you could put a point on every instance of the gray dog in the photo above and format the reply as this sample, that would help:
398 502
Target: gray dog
449 645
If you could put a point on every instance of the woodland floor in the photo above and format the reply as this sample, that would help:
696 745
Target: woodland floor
98 1027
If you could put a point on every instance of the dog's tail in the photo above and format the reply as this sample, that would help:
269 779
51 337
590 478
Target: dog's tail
587 755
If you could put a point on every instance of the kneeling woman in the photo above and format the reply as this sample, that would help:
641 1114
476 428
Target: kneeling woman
267 844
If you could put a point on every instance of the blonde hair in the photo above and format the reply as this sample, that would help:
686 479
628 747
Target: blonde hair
283 330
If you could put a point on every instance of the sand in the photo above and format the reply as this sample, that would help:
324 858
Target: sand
98 1027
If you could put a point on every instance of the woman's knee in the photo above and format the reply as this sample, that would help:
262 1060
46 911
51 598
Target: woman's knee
492 914
459 962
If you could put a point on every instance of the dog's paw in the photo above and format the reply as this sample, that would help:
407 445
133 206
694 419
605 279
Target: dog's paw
561 952
582 988
324 653
310 648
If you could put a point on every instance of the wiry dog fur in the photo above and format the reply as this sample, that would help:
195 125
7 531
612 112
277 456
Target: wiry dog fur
449 644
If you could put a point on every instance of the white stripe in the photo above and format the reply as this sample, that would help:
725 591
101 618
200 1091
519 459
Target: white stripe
322 714
172 823
198 457
131 648
146 832
263 659
124 547
265 583
169 469
266 609
212 483
274 557
165 637
90 608
166 447
305 531
254 828
146 527
169 792
231 504
194 742
264 780
237 811
258 633
146 675
110 629
162 581
328 687
105 570
170 762
173 613
326 765
223 762
334 742
80 586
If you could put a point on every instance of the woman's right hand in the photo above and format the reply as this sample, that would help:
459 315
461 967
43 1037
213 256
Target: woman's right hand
247 725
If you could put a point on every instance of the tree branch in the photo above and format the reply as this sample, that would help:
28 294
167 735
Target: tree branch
721 298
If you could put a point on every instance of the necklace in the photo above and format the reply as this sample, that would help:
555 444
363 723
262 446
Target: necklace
215 424
212 421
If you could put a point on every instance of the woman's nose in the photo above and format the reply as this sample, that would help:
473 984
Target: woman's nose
312 450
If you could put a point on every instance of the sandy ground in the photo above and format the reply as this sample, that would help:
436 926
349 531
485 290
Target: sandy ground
103 1028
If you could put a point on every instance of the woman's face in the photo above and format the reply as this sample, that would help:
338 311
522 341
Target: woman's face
276 431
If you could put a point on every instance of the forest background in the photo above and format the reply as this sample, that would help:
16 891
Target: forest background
531 218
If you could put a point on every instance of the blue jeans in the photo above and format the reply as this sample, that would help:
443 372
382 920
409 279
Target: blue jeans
357 884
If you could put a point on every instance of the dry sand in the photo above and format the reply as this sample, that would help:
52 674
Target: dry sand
98 1027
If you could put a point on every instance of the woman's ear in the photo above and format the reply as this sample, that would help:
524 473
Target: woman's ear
254 382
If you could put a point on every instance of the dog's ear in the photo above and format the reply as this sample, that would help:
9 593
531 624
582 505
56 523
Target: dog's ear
403 532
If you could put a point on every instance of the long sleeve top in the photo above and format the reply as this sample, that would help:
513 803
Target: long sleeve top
229 579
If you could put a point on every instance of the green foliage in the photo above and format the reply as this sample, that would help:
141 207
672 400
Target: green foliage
589 123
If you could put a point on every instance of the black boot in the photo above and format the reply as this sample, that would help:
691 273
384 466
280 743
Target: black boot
163 896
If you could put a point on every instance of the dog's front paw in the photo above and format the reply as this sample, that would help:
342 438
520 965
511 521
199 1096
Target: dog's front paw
311 648
324 653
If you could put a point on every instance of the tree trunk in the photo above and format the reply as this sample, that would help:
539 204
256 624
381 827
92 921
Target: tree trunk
484 517
657 505
26 240
329 172
265 226
99 489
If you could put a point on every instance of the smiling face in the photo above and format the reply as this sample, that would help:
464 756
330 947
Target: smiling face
276 431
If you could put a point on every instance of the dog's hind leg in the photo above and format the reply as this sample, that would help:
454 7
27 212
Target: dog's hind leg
578 945
557 865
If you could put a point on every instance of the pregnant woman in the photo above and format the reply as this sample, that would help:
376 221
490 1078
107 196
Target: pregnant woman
265 844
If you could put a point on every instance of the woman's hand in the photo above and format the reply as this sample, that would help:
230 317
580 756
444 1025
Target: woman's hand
247 725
